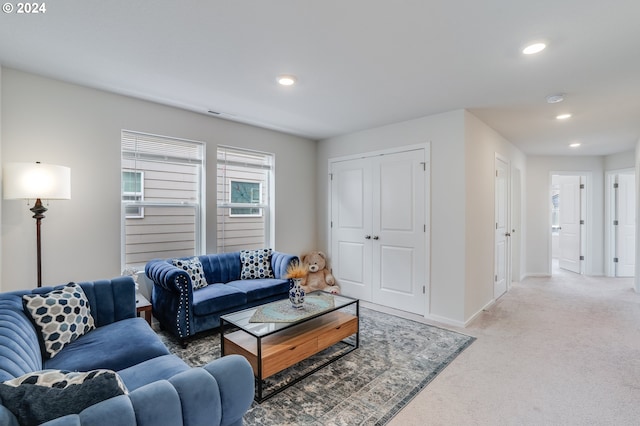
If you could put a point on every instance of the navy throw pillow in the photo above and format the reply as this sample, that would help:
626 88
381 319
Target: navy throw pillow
35 404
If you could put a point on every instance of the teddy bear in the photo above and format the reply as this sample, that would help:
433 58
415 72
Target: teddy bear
318 277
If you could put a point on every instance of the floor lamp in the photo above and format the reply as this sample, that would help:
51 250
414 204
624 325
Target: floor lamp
36 181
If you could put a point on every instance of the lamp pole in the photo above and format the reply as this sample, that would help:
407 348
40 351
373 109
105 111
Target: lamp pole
38 214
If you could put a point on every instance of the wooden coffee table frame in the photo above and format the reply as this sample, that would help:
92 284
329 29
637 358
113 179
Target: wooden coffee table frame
286 344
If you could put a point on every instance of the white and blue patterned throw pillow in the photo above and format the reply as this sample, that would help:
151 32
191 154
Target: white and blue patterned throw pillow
41 396
193 267
62 379
61 316
256 264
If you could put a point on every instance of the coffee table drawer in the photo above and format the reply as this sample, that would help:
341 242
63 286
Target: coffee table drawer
339 332
280 360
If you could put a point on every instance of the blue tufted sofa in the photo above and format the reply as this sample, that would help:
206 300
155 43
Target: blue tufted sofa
162 389
185 312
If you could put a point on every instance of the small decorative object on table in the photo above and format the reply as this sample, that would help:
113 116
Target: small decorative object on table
295 273
133 273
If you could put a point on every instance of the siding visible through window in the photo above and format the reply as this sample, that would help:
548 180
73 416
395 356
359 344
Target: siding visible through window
133 190
162 198
245 192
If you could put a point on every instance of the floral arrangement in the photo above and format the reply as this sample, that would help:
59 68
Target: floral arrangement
133 273
129 272
296 270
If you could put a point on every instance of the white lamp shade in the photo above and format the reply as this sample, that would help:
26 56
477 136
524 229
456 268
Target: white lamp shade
36 180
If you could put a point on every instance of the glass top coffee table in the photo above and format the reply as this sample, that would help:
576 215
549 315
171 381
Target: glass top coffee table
276 336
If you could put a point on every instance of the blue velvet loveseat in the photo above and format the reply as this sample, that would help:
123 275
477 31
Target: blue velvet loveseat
187 299
159 388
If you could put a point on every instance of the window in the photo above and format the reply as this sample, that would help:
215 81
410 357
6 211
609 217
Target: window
162 198
133 190
244 199
245 193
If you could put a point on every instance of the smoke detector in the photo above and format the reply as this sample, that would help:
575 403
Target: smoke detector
554 99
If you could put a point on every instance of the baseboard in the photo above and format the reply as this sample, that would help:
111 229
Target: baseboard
444 320
477 314
536 275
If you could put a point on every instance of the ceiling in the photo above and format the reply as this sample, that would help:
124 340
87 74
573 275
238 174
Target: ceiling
359 63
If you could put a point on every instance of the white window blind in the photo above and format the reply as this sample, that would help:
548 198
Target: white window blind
171 198
244 199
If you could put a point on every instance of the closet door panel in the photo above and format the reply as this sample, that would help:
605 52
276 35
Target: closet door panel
351 225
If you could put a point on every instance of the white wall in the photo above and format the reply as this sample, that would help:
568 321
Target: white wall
445 132
538 247
0 172
462 163
623 160
60 123
482 143
637 167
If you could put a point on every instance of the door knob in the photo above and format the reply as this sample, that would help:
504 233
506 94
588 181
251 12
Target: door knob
375 237
507 234
367 237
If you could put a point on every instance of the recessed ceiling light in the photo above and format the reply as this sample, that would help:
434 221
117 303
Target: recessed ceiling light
534 48
563 116
287 80
554 99
574 145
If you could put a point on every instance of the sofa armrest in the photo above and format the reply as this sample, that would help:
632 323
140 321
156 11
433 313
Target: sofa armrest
280 262
166 275
237 386
171 297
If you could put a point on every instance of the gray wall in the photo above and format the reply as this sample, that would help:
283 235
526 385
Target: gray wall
59 123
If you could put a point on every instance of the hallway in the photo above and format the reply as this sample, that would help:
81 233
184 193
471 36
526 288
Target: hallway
563 350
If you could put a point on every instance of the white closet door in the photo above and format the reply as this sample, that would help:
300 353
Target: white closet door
399 231
351 225
378 234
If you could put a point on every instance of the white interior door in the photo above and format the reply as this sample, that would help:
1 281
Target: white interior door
501 255
570 214
399 230
351 220
626 225
379 229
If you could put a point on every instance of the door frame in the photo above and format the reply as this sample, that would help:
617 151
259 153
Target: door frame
508 195
609 213
586 205
427 208
516 225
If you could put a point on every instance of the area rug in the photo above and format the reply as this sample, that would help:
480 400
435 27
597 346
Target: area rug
396 359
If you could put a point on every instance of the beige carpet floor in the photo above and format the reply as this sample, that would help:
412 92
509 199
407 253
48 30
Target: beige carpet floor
553 351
